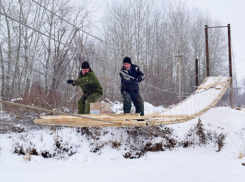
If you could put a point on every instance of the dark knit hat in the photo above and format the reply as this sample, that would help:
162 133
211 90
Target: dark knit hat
85 65
127 60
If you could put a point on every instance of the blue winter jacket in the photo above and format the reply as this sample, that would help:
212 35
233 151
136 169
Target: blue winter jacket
131 84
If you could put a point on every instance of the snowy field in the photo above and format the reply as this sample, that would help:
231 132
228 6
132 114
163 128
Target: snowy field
196 163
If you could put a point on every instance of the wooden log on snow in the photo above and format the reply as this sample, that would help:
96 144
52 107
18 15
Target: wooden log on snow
96 120
89 123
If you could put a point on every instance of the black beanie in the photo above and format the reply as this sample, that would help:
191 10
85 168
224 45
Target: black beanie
127 60
85 65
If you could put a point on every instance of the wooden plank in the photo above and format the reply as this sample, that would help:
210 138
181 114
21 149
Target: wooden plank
171 116
95 120
89 123
125 124
220 85
77 120
151 115
97 116
168 121
203 83
72 120
215 82
98 125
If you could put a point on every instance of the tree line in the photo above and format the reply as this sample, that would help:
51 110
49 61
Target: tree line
43 43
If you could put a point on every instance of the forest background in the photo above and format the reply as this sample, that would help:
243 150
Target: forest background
43 43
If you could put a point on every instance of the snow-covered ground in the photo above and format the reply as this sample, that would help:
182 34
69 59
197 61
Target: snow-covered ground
192 164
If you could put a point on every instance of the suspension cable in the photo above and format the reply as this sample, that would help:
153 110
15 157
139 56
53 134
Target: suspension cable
164 90
73 25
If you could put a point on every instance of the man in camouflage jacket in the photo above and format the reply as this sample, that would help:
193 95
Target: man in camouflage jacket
90 85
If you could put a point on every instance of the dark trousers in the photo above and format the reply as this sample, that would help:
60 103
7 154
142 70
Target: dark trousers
128 97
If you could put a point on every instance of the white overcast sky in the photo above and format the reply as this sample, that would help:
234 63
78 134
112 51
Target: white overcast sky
228 12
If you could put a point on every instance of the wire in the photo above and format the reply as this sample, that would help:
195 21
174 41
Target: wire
74 25
28 68
164 90
110 45
68 46
32 28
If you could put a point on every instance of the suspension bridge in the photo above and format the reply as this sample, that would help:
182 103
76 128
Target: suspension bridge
204 98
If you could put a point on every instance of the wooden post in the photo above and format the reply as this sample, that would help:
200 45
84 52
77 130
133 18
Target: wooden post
207 52
230 66
180 67
230 62
196 73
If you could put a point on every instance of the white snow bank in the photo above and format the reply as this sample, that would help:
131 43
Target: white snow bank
200 164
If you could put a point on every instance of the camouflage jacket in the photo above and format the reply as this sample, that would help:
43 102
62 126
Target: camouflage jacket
89 83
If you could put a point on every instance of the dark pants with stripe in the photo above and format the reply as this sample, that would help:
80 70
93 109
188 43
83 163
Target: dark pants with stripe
128 98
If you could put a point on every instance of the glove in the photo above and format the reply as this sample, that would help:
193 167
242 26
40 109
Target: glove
70 81
132 79
139 79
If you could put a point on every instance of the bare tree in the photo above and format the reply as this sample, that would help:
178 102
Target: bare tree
153 33
37 46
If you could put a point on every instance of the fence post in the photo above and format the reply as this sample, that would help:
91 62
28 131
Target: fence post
230 65
207 51
196 73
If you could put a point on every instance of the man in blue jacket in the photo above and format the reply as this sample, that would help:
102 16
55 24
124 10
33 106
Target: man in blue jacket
130 76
